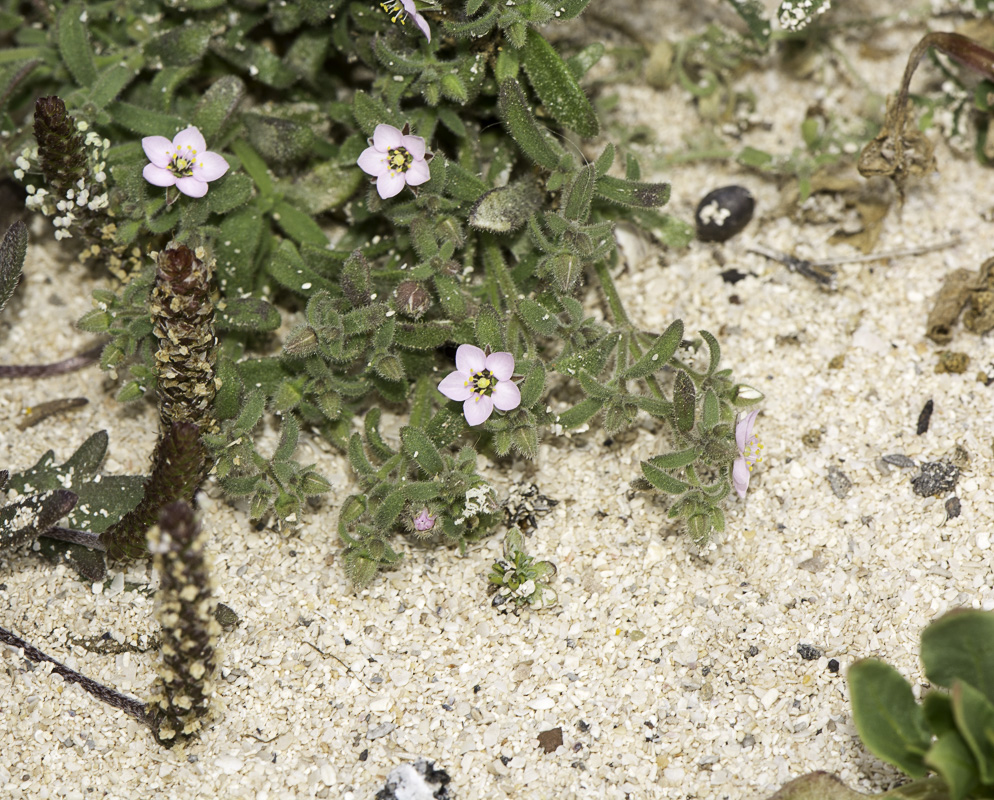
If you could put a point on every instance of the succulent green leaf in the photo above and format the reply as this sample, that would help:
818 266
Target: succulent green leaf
252 410
580 413
582 62
290 270
506 208
714 351
357 456
556 87
145 121
85 461
475 28
533 385
658 355
580 193
279 140
369 112
418 445
753 13
960 646
974 715
537 317
490 329
570 9
217 105
684 402
531 137
677 460
253 164
110 83
229 193
711 413
297 225
289 434
74 45
890 722
592 387
322 187
179 46
635 194
663 480
951 758
13 249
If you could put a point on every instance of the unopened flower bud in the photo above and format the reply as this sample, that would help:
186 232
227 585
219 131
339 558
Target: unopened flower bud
413 299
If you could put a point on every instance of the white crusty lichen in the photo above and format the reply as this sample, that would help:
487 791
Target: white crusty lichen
795 15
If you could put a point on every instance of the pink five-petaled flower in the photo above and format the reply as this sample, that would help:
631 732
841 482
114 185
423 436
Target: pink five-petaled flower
481 382
424 521
395 159
185 162
401 8
750 452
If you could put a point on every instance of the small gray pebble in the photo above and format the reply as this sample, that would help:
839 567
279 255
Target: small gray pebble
899 460
937 477
723 213
839 482
381 730
808 652
952 508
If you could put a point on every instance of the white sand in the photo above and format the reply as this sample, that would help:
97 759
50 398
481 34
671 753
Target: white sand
646 663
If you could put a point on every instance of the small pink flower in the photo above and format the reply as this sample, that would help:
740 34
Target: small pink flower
750 452
395 159
185 162
481 382
401 9
424 521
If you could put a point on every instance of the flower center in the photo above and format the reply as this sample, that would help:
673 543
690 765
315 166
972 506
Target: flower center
181 164
399 159
483 383
395 8
753 452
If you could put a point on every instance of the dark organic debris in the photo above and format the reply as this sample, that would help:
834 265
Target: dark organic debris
551 739
937 477
963 289
952 508
924 418
723 213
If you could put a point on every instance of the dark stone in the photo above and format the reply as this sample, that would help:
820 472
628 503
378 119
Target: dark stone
924 417
898 460
364 755
839 482
952 508
808 652
733 276
937 477
583 726
753 651
551 739
833 665
723 213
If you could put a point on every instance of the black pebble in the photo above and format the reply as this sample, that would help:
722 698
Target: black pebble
723 213
925 417
808 652
833 665
952 507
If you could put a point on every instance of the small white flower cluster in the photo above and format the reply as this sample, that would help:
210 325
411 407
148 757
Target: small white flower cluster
795 15
91 196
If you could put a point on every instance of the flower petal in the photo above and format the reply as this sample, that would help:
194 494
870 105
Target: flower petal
415 145
422 24
501 365
191 187
158 176
740 476
190 137
470 359
372 162
417 173
456 386
386 137
743 430
209 167
478 409
506 395
389 184
159 151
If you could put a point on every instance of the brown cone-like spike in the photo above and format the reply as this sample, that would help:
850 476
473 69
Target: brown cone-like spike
183 320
